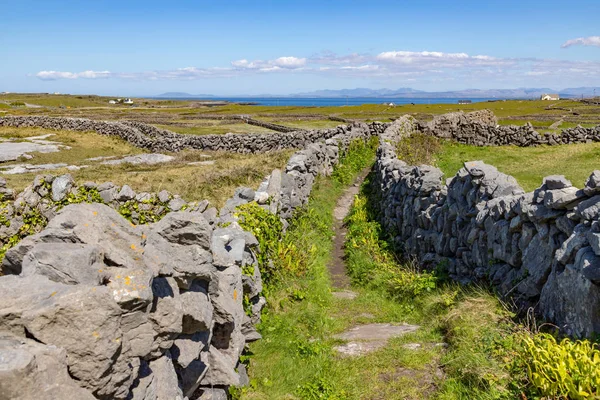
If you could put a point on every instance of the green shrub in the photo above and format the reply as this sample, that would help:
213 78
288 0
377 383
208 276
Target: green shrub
371 262
418 149
564 370
357 156
278 256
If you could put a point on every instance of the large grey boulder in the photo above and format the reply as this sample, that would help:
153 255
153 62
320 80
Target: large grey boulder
221 370
167 313
187 348
61 315
592 185
563 197
70 263
184 228
92 224
179 245
229 243
589 209
61 186
192 375
164 379
492 183
274 190
557 182
537 265
30 370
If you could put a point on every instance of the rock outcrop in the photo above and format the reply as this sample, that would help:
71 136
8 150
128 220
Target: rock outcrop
130 305
96 307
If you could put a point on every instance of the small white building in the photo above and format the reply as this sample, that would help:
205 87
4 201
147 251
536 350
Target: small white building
112 102
128 101
549 96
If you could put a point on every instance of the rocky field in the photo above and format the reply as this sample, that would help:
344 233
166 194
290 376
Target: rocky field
138 252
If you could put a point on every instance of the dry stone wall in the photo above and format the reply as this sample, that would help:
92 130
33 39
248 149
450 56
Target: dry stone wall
480 128
155 139
97 307
542 248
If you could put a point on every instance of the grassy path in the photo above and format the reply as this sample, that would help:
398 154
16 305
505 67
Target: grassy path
449 357
297 359
337 264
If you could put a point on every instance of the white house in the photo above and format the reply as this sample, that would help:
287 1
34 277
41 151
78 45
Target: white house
549 96
112 102
128 101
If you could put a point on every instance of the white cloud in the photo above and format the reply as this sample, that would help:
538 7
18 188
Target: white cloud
270 65
55 75
289 62
582 41
436 59
330 58
400 65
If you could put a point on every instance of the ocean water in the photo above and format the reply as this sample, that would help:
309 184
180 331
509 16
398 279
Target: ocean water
325 102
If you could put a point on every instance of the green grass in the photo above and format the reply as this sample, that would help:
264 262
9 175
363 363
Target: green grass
296 360
218 129
308 124
527 164
542 124
566 125
79 101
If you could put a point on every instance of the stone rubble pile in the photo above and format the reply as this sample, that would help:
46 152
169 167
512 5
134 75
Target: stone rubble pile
542 248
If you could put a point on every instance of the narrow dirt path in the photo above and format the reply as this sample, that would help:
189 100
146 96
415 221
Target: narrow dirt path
360 339
337 264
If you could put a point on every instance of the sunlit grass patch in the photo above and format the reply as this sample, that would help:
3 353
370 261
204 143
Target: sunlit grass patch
529 165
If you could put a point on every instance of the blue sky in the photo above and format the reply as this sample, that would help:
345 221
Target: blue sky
254 47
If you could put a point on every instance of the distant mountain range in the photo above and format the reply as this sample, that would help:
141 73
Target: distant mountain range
520 93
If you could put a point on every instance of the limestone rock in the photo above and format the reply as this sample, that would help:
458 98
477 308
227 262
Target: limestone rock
164 379
592 185
221 371
557 182
70 263
197 309
30 369
61 186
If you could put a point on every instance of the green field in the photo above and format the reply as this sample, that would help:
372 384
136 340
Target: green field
179 115
527 164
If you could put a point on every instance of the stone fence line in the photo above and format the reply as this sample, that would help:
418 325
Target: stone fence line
542 248
156 139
